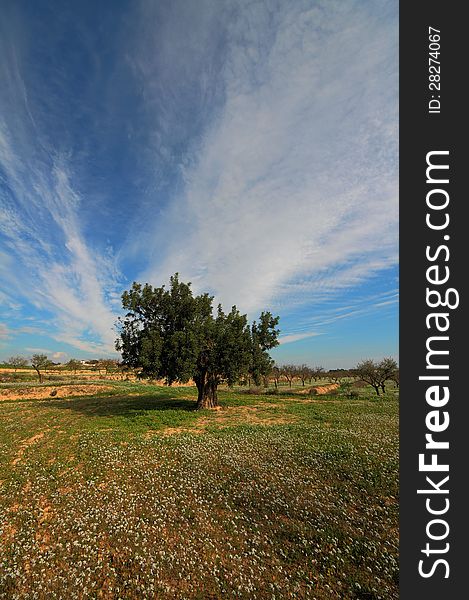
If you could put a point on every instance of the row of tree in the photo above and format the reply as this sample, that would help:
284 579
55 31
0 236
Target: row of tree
299 372
375 373
41 364
371 372
173 335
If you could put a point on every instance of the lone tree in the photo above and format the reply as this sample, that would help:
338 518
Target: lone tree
376 373
172 334
17 362
40 361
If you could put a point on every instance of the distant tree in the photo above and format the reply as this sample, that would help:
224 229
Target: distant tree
317 373
108 364
395 377
387 368
276 375
73 365
172 334
338 375
289 372
16 362
376 373
304 373
40 361
368 371
124 370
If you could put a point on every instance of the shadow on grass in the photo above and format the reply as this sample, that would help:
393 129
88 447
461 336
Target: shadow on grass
123 406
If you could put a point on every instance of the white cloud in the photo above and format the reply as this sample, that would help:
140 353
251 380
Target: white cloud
296 179
295 337
35 350
71 282
288 192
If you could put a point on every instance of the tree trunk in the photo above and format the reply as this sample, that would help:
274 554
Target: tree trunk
207 392
376 389
383 388
39 374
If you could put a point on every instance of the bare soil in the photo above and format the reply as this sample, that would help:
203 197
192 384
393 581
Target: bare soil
228 416
37 393
319 389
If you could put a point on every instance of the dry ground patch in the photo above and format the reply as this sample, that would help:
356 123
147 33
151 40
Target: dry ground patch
62 391
229 416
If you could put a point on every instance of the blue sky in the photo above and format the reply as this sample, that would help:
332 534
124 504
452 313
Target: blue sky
250 146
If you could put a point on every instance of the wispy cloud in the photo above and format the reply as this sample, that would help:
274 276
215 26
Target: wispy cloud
293 187
250 146
295 337
47 261
70 285
319 322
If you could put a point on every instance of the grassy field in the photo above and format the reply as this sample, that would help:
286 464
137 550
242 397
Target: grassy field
131 493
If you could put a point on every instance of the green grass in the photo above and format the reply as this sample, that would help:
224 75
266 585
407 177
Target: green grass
132 493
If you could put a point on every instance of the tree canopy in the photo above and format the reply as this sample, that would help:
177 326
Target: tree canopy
377 373
172 334
40 361
73 365
17 362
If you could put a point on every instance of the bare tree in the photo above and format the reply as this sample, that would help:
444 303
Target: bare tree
376 374
40 361
276 375
317 373
289 372
387 368
338 375
17 362
73 365
304 373
108 364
